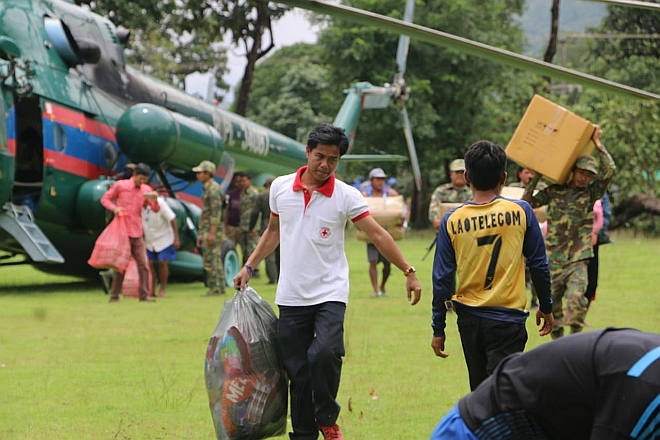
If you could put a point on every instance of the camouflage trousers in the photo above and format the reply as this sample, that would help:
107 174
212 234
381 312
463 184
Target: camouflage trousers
212 263
273 266
569 283
243 239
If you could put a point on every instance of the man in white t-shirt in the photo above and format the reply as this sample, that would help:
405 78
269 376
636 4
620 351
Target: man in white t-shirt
161 237
309 210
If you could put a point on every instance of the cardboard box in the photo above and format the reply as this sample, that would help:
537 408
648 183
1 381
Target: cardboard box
549 139
446 207
515 192
389 212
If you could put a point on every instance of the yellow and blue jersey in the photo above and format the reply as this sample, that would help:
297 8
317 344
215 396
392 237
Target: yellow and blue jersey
486 245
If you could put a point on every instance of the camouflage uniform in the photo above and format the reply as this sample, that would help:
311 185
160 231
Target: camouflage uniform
212 255
262 207
528 277
568 242
447 193
248 241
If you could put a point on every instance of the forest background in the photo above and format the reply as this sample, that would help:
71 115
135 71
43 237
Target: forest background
456 99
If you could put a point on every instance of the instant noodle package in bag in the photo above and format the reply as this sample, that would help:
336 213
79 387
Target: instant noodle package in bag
245 377
112 249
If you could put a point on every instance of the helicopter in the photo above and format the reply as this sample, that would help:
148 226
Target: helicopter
76 114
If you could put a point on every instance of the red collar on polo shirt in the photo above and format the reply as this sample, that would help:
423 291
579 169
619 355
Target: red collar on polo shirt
326 189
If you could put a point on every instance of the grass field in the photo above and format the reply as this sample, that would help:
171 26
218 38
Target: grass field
73 366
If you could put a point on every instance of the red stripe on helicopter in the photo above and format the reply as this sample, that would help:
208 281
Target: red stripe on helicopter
78 120
11 145
189 198
70 164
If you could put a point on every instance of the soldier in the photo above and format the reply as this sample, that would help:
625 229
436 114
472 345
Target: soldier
210 229
232 215
262 208
523 176
249 235
570 223
454 192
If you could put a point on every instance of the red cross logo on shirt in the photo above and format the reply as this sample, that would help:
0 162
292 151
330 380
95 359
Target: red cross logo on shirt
325 233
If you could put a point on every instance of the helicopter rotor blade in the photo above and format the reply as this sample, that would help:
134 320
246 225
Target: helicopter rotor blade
631 3
470 47
404 40
401 57
411 149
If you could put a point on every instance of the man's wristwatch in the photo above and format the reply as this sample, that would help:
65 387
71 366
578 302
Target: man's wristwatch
409 271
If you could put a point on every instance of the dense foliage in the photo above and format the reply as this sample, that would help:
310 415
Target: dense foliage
631 127
291 93
163 42
456 99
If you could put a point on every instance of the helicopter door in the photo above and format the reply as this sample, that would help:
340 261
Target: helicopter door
29 168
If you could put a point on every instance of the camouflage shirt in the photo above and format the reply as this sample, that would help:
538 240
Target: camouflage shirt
261 206
211 206
570 215
449 194
248 199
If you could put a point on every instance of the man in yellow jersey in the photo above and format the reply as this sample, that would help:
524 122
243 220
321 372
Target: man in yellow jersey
486 242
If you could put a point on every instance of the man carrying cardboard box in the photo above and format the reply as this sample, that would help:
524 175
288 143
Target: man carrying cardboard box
378 189
570 222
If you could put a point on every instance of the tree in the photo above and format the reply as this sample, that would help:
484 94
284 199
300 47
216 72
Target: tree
290 92
451 91
162 42
554 31
630 127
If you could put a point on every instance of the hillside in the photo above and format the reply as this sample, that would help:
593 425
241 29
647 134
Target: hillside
575 16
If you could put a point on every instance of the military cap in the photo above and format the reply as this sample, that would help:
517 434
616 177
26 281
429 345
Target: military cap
205 165
457 165
587 163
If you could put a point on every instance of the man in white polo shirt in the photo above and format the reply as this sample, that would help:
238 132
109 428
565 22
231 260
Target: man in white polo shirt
161 238
309 210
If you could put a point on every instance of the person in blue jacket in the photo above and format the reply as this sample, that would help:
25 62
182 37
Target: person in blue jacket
600 385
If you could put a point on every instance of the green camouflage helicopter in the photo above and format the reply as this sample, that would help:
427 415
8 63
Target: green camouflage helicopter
76 114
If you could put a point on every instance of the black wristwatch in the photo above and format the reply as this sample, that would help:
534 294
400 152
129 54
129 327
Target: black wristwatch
409 271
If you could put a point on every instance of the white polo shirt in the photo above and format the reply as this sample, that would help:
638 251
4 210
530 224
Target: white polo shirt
313 265
158 233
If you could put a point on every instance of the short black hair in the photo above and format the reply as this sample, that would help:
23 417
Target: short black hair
485 164
142 169
329 135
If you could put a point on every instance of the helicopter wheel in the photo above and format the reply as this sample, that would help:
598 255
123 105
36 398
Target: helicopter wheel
230 261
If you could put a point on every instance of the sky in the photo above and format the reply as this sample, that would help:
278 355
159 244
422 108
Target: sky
292 28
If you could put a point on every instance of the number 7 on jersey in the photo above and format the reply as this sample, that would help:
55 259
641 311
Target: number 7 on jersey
496 241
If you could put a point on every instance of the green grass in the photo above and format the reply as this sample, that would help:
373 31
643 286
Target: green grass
73 366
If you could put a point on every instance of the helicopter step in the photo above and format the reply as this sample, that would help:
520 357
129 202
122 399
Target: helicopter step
18 221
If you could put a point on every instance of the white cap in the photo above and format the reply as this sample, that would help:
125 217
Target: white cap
377 173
